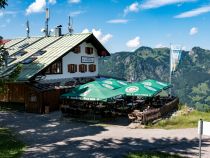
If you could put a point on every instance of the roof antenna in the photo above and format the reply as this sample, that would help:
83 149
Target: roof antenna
27 29
46 22
70 26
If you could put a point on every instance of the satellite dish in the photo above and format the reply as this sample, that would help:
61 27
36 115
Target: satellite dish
42 30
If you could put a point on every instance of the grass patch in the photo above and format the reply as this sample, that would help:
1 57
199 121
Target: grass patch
182 121
10 147
151 155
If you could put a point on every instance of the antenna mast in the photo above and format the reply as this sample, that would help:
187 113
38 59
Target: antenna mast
46 22
27 29
70 26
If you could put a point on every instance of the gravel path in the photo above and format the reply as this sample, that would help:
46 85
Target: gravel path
52 136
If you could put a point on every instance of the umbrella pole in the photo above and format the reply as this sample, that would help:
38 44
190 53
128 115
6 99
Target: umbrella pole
94 111
123 102
132 101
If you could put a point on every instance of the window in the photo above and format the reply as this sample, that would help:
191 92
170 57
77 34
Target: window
33 98
20 53
24 45
82 68
89 50
39 53
77 49
55 68
10 59
72 68
28 60
92 67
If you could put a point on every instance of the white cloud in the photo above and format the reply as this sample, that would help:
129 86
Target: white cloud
133 43
36 7
106 38
160 46
193 31
85 31
194 12
99 35
149 4
134 7
118 21
76 13
184 48
52 1
2 13
74 1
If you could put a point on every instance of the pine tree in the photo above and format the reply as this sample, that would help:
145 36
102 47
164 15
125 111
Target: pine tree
3 3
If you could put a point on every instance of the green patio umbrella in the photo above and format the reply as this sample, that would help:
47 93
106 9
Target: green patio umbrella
113 83
138 89
92 91
156 84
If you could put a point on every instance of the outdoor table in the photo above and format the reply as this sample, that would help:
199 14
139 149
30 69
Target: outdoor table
100 106
139 101
64 106
119 99
132 104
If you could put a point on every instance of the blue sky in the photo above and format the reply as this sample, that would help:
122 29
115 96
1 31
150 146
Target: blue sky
121 25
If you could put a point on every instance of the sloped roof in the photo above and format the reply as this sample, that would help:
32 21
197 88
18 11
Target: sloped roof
38 45
13 42
20 44
54 47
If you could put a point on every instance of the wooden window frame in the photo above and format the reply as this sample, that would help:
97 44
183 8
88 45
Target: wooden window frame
55 65
39 53
77 49
72 68
89 50
19 54
92 68
82 68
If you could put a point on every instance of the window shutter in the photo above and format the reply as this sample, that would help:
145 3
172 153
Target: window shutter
89 50
72 68
82 68
92 68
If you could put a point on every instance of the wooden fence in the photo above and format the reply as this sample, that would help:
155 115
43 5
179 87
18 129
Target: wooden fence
157 113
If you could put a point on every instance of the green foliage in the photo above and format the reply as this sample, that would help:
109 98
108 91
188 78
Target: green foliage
9 146
151 155
14 71
14 74
197 98
202 88
3 3
202 107
183 121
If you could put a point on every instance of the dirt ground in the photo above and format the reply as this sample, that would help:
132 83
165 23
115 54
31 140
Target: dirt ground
53 136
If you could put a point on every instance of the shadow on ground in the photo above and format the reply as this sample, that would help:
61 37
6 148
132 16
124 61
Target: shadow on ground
51 136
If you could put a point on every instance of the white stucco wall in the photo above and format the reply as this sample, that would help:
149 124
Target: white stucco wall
73 58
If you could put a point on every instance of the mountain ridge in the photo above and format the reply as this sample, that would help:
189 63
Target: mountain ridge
191 80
